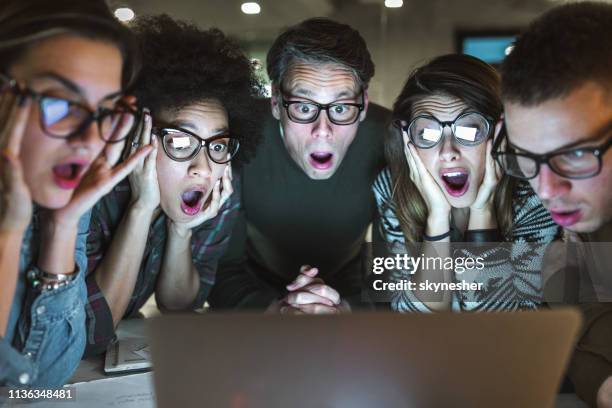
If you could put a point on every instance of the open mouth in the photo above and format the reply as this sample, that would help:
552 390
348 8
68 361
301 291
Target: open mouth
455 181
191 201
321 160
566 218
68 175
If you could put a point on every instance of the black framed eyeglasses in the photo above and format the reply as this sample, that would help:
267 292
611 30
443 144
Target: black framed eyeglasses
576 163
62 118
339 113
181 145
468 129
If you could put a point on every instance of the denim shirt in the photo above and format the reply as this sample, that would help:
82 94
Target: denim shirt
45 336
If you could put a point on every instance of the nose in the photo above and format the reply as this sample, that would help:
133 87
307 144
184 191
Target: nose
448 151
549 185
88 139
200 165
322 127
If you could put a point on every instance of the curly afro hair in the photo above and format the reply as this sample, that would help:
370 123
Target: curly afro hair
183 65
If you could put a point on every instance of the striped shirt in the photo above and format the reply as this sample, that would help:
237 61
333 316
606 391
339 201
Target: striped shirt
511 277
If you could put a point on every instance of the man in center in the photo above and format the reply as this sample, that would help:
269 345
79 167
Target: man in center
298 245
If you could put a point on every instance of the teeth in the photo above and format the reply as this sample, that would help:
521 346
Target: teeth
453 174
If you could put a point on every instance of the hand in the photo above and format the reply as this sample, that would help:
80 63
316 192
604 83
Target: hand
486 192
143 179
604 395
219 197
15 198
428 187
310 295
100 178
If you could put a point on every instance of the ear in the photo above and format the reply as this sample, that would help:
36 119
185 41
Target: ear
366 104
130 100
275 102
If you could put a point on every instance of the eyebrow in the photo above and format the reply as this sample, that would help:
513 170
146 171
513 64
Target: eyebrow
72 86
187 125
591 139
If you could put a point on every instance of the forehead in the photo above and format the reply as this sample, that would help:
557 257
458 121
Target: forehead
443 107
320 82
557 122
203 118
94 66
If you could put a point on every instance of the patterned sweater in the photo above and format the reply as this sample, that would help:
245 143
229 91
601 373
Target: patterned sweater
511 277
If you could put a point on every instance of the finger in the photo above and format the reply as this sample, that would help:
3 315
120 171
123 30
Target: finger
124 168
227 186
150 162
309 270
301 281
124 127
324 291
305 298
17 123
231 173
146 133
112 152
216 196
318 309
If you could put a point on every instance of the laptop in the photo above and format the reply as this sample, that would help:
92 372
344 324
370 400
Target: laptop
361 360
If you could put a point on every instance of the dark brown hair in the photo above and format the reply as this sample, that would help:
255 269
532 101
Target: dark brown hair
25 22
560 51
320 40
459 76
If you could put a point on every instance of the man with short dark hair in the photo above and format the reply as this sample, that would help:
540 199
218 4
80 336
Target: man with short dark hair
306 197
557 94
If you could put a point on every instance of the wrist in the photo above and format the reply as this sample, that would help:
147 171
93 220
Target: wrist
179 230
437 224
482 218
141 209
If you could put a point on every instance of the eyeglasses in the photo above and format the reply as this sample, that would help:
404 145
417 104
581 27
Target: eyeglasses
181 145
62 118
468 129
338 113
580 163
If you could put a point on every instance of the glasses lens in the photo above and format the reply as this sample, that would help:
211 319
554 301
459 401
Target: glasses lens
342 114
517 165
425 132
179 145
302 111
222 150
117 124
471 129
576 163
61 117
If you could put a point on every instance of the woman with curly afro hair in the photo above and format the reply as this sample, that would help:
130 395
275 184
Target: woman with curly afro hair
164 229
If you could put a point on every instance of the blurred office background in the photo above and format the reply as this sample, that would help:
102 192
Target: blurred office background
400 34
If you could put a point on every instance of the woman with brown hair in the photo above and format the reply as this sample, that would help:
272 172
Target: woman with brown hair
442 185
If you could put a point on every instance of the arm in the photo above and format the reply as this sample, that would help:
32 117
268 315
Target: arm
10 244
236 285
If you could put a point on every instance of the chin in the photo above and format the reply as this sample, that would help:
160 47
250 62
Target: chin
51 198
461 202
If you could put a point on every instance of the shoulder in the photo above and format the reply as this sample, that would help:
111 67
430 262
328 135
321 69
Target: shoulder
532 222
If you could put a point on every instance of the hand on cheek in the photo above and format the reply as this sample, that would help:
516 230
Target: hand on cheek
486 191
100 178
15 198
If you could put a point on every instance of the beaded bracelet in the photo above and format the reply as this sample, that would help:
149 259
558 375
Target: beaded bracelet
45 281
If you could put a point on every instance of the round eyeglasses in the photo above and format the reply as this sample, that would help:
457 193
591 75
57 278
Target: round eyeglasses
181 145
339 113
468 129
62 118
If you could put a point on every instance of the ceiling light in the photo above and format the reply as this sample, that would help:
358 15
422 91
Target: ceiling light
394 3
250 8
124 14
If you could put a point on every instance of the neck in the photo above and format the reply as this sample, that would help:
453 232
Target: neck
603 234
